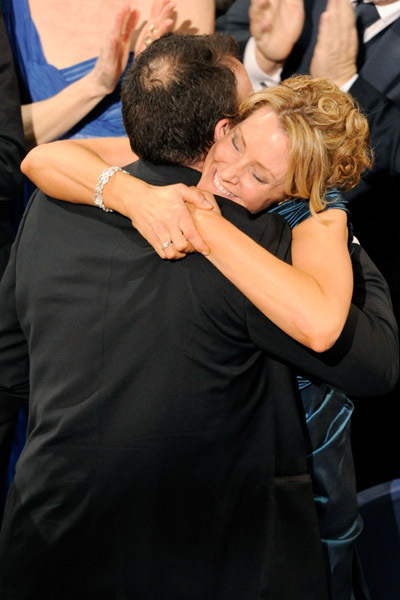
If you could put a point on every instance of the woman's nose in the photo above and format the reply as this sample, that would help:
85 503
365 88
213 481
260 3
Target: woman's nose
230 173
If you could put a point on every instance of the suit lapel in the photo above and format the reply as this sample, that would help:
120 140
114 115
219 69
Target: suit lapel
382 60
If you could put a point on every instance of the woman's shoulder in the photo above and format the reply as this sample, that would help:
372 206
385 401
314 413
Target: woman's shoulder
293 211
296 211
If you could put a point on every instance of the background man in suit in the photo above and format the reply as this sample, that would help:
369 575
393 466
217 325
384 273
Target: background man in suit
362 56
141 466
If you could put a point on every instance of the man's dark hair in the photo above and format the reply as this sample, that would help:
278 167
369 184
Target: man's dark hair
174 94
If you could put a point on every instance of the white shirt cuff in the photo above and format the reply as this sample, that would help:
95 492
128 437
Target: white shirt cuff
258 78
349 83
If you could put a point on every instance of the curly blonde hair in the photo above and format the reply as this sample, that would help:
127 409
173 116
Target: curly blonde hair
329 136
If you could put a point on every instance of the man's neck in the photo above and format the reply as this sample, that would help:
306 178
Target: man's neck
197 165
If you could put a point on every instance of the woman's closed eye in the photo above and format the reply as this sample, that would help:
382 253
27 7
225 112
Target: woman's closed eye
259 179
235 143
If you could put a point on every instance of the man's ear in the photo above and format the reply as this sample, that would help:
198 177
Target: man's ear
221 129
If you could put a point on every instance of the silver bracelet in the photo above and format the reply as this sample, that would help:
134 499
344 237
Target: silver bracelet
101 182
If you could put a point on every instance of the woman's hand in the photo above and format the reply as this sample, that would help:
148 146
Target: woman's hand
276 26
335 53
114 54
162 17
163 216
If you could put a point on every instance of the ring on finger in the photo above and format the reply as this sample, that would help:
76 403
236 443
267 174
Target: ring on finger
166 244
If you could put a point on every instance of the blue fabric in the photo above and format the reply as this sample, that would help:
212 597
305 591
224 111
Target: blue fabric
379 543
328 414
297 211
19 441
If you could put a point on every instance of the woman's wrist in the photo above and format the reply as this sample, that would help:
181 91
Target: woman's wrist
93 87
122 192
268 66
207 223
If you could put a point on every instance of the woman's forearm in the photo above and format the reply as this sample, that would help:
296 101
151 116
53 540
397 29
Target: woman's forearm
309 302
47 120
195 17
69 170
64 170
292 298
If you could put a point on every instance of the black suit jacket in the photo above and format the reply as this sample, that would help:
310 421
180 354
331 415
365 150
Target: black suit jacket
12 145
165 454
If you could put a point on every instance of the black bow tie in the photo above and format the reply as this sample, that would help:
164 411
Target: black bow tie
366 14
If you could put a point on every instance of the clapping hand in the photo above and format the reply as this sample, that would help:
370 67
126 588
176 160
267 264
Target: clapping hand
336 49
276 26
164 219
160 21
114 53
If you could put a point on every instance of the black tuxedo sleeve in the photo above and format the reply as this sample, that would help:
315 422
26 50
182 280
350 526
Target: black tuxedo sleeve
12 144
365 359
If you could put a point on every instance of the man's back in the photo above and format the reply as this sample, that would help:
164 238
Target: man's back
165 456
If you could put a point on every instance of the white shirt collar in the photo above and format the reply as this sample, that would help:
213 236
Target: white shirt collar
387 13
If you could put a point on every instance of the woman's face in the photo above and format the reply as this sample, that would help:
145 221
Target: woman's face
249 164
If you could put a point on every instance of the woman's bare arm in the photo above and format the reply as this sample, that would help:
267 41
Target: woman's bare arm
309 300
69 170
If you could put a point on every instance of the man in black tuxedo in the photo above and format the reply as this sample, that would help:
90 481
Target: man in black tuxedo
165 454
362 56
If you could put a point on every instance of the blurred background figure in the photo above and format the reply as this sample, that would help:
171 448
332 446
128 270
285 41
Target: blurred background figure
12 144
12 151
221 6
357 45
69 81
70 58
